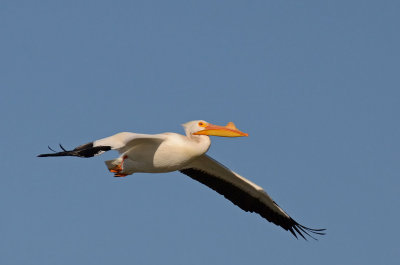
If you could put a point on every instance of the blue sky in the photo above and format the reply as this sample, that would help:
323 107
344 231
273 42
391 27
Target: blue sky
315 84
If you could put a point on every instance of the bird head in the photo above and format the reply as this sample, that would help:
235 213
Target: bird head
201 127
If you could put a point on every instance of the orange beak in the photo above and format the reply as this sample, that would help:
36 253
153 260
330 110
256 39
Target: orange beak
229 130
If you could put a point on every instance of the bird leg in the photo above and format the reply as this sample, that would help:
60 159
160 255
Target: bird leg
117 169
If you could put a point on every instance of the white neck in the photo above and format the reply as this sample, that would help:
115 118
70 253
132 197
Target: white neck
201 143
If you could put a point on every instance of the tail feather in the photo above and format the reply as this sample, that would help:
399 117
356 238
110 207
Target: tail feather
86 150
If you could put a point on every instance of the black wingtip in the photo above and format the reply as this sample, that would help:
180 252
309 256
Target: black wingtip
51 149
300 229
55 153
86 150
62 147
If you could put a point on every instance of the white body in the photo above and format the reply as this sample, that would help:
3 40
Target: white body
155 153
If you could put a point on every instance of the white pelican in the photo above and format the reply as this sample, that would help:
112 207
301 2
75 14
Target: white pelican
168 152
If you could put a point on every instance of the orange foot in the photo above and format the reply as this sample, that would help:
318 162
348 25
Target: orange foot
116 169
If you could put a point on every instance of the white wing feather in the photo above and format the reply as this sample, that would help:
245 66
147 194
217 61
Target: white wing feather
125 140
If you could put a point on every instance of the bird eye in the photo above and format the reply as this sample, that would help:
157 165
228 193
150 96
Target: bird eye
202 124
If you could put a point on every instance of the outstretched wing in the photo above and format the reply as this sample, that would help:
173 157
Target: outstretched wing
120 142
244 193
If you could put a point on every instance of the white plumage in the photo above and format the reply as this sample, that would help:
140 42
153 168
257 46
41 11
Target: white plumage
168 152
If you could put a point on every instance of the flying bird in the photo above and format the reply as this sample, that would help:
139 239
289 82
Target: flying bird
167 152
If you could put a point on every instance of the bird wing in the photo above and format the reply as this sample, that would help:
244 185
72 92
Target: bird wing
121 142
243 193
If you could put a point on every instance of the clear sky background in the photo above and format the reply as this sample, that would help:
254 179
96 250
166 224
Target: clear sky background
314 83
